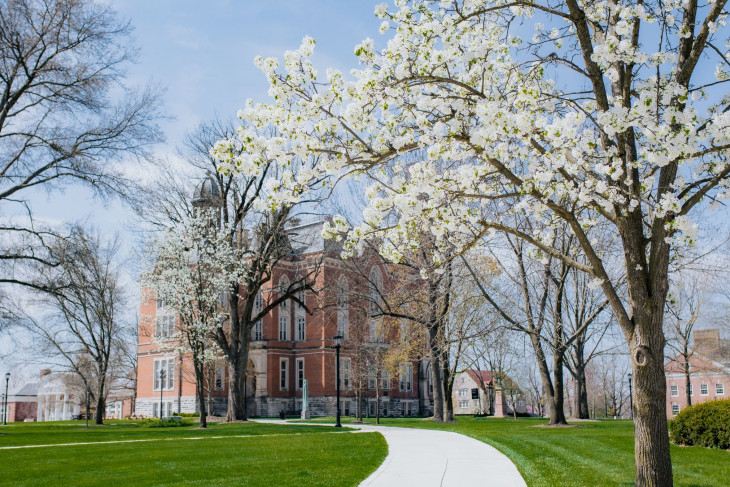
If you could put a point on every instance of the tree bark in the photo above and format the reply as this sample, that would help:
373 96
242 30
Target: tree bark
437 375
100 400
448 385
580 394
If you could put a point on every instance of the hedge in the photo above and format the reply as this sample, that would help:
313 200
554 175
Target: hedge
706 424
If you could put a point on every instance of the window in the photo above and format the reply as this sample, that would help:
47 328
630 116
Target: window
257 333
720 389
345 373
376 284
691 390
346 408
373 330
283 327
703 390
385 377
164 320
430 381
463 404
258 303
674 391
167 365
301 324
155 413
220 374
372 373
371 408
675 409
407 409
406 377
284 374
463 392
302 301
520 403
384 409
283 288
300 374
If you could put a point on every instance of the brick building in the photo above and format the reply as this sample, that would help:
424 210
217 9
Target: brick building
709 372
22 404
288 346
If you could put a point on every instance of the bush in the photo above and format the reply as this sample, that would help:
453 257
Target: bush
188 415
166 422
706 424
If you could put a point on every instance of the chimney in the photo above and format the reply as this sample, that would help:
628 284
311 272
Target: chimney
707 342
45 372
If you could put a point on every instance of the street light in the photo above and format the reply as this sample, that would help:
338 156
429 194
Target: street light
490 388
631 399
5 408
337 339
162 386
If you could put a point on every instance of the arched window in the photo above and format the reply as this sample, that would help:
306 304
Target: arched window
376 286
283 287
342 308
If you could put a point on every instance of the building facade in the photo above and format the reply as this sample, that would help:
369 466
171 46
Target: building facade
709 373
476 392
292 344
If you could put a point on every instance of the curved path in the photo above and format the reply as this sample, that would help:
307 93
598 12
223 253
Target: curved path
430 458
424 458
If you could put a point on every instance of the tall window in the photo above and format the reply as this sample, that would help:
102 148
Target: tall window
376 286
283 327
258 331
284 374
300 373
385 378
220 374
301 331
168 365
345 373
164 320
372 373
301 296
406 377
258 303
691 390
342 308
283 288
376 333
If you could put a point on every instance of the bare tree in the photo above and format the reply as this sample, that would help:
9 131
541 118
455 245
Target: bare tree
85 327
62 63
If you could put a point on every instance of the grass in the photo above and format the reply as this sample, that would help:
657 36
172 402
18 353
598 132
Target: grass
596 453
291 455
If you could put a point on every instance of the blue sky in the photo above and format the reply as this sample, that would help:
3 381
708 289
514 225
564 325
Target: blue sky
201 54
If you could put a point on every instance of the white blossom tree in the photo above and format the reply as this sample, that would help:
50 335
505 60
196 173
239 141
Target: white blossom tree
193 265
608 114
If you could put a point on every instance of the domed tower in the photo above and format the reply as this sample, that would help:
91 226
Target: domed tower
207 197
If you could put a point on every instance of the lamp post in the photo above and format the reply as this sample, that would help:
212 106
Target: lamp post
5 407
631 399
162 386
337 339
490 388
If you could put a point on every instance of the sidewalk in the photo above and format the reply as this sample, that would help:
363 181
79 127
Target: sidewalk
426 458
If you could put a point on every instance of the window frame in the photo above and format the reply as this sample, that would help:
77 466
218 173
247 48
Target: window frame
283 373
704 390
299 370
673 390
719 389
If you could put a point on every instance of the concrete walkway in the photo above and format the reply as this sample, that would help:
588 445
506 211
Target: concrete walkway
429 458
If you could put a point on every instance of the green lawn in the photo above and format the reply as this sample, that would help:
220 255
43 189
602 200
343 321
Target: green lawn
274 455
595 453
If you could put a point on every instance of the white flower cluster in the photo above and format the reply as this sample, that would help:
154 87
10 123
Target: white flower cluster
455 112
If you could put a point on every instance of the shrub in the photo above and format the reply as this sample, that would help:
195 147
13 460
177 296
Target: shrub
188 415
706 424
166 422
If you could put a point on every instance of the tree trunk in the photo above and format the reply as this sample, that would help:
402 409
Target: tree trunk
100 401
653 463
687 377
448 385
437 376
557 412
200 380
237 375
580 394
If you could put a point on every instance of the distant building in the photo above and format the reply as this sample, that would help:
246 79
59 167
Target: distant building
57 400
22 405
472 394
709 372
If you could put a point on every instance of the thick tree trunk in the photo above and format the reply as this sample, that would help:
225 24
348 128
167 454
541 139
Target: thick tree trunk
687 377
653 463
448 385
557 411
437 376
554 410
580 394
100 401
